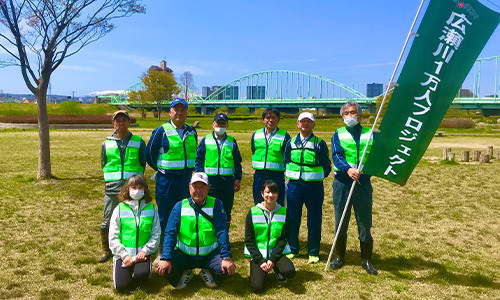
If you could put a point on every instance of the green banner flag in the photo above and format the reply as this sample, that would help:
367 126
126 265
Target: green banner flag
449 39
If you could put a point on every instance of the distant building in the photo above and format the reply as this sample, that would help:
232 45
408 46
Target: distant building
205 91
231 93
374 89
465 93
256 92
162 67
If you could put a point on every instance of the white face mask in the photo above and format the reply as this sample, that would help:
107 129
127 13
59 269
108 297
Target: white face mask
351 121
220 130
136 194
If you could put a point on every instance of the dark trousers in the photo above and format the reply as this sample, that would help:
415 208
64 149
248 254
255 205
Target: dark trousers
311 194
283 266
169 191
259 177
221 187
362 203
182 262
123 277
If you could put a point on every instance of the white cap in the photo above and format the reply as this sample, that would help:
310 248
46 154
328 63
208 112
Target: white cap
308 115
199 176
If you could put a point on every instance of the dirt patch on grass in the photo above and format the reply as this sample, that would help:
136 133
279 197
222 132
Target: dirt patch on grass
62 119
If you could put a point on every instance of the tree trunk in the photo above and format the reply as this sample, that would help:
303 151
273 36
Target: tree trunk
44 166
159 112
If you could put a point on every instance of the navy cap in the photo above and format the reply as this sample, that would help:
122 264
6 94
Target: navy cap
221 116
177 101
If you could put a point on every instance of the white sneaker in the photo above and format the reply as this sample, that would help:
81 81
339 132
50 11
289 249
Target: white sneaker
185 279
207 277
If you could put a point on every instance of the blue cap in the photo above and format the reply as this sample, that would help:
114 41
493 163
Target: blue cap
177 101
221 116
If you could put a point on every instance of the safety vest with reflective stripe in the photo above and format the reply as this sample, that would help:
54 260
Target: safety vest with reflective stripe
268 156
115 169
181 153
197 234
304 161
219 161
133 237
266 235
351 151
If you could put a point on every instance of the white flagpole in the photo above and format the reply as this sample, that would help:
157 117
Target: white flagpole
360 166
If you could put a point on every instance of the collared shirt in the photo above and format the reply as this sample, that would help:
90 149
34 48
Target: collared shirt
159 140
174 225
323 154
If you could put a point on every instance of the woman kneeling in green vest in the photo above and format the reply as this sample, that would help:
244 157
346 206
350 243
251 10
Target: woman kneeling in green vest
134 234
266 239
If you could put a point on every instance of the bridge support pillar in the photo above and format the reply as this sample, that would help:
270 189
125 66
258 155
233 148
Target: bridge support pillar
203 109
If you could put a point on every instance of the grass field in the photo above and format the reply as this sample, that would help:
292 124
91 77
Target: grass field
438 237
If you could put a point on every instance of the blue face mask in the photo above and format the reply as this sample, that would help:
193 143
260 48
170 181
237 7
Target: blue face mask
351 121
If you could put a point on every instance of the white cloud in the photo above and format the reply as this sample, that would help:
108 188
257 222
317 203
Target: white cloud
99 93
366 66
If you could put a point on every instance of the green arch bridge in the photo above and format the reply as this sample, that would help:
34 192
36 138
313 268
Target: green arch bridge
292 90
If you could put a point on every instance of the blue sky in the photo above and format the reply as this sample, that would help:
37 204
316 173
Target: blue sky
353 42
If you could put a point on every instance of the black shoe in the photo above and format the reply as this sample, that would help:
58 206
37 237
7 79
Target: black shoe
337 263
367 265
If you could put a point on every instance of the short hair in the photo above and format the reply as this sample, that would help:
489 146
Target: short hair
351 103
271 185
271 110
135 180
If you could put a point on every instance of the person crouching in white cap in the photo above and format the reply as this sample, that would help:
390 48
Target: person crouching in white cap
307 165
196 236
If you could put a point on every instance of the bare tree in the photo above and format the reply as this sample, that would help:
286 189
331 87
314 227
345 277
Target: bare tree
42 33
187 84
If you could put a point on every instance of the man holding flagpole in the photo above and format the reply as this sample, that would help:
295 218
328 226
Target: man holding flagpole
348 144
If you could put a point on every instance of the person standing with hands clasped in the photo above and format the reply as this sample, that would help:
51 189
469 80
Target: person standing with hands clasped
219 157
348 144
266 239
268 146
196 237
134 234
122 155
171 151
307 165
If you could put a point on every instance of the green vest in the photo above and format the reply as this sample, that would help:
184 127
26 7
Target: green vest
351 151
134 237
304 163
266 235
196 234
115 169
181 153
268 156
219 161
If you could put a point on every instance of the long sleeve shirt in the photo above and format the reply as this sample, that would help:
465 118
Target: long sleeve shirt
199 165
157 141
322 153
113 187
174 225
115 226
338 155
251 243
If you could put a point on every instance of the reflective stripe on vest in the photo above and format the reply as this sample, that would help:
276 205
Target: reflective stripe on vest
219 162
304 163
268 156
266 235
115 169
134 237
351 152
181 153
196 234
